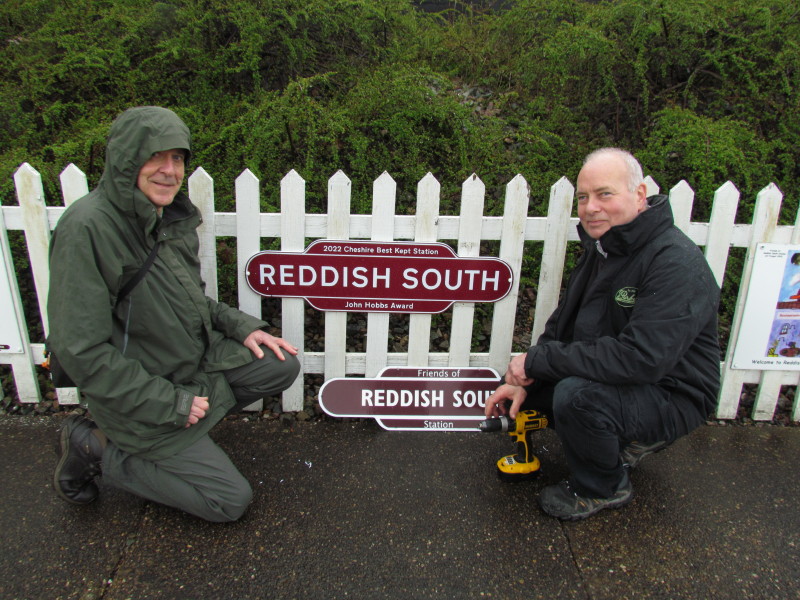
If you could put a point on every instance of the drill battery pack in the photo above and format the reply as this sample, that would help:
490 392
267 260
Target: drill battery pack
509 468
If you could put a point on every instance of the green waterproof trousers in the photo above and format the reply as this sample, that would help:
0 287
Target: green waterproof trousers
201 480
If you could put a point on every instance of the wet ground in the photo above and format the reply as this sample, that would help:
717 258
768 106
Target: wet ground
348 510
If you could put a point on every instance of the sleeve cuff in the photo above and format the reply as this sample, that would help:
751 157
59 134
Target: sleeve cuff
183 405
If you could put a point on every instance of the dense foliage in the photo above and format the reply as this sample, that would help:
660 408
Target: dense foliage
700 90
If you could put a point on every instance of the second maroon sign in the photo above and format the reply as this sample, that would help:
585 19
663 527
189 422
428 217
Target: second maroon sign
366 276
414 398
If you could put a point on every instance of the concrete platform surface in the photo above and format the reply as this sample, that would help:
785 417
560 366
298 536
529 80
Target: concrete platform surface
348 510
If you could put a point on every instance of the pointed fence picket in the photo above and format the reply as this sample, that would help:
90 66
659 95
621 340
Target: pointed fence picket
338 229
248 240
473 192
30 194
553 254
201 191
765 222
425 230
292 235
720 229
512 245
470 228
21 358
384 194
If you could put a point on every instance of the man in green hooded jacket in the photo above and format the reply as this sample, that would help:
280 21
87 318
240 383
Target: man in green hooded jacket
162 365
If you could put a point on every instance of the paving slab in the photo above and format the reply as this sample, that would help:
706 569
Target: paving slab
348 510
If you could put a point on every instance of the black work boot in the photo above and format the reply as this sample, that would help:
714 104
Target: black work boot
632 454
80 452
563 502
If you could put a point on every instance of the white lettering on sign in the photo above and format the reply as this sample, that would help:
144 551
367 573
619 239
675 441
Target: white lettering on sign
360 305
351 249
495 280
432 279
440 373
411 281
375 277
470 398
330 276
402 306
287 275
439 425
403 398
307 276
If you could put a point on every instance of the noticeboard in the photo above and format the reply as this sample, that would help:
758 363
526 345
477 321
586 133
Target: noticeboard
10 336
769 336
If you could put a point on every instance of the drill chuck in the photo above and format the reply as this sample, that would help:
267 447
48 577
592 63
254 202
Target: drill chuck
503 424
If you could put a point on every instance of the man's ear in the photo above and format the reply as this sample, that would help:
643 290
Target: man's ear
641 197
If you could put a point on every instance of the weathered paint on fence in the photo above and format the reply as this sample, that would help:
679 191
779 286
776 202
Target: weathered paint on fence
293 226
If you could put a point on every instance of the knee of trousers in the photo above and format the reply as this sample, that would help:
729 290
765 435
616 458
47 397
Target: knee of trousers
237 499
291 367
285 372
577 400
276 375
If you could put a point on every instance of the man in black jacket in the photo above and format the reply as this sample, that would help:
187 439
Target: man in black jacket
629 360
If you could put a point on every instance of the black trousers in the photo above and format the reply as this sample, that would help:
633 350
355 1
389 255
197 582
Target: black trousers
594 421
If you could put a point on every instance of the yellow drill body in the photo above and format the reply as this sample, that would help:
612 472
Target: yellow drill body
523 464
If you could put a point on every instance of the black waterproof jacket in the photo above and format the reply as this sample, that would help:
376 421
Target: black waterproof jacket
647 316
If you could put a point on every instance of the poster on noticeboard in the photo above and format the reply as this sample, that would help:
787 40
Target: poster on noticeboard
769 337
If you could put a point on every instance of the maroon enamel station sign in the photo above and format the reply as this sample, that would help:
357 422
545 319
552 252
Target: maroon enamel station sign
414 398
367 276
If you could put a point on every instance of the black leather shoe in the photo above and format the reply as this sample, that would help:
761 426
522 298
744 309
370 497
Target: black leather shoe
80 453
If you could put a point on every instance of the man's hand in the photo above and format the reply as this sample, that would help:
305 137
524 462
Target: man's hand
515 375
262 338
198 410
496 403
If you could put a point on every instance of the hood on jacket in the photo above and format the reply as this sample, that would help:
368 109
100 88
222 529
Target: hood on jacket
134 137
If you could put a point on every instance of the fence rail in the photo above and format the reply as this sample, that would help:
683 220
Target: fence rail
293 227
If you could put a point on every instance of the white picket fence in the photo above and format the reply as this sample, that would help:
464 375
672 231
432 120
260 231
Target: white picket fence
293 227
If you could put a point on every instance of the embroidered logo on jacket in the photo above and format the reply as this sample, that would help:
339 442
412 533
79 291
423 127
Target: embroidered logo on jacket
626 297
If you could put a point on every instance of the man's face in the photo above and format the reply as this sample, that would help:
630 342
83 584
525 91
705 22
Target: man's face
604 200
161 177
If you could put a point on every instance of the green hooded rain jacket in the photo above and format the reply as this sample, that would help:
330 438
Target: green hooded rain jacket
140 362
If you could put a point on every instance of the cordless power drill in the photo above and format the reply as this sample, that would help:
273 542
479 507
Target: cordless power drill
522 465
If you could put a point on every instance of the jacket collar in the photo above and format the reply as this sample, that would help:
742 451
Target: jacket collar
623 240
